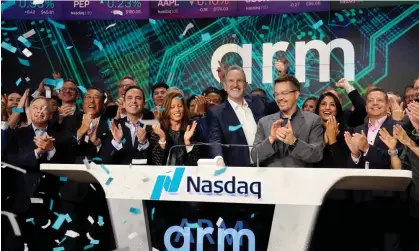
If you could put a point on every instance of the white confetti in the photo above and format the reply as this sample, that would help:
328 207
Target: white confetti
47 225
69 47
57 241
219 221
3 165
26 247
27 52
89 237
110 26
132 235
38 1
47 92
27 79
72 234
29 34
117 12
13 222
86 162
93 187
90 219
155 249
37 200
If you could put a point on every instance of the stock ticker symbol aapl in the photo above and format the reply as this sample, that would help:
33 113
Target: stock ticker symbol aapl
167 183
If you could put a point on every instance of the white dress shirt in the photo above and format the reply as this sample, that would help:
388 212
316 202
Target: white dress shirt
131 128
40 132
245 116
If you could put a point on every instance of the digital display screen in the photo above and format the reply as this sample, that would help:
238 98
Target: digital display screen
166 218
268 7
106 10
26 10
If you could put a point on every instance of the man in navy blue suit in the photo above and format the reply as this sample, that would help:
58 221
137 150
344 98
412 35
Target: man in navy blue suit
235 120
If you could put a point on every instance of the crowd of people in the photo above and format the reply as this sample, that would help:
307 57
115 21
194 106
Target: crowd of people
379 131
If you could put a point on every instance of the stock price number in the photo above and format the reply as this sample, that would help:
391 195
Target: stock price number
122 4
256 1
212 2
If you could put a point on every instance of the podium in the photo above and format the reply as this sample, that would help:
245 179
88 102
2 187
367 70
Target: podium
297 193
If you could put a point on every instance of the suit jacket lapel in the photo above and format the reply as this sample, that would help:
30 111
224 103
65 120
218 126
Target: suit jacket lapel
253 107
231 119
297 122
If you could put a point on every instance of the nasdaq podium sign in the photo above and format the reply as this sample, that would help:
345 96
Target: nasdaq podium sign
212 211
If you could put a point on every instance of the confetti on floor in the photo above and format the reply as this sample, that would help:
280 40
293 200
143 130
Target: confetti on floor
132 235
134 210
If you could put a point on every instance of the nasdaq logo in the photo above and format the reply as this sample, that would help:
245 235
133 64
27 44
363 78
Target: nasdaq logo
232 187
204 233
167 183
202 186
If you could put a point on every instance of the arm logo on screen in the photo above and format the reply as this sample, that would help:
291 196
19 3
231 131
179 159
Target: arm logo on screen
200 185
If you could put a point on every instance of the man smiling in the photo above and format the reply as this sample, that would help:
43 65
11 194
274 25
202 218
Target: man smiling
234 121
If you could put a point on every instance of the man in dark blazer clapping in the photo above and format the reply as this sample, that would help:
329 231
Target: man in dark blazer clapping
234 121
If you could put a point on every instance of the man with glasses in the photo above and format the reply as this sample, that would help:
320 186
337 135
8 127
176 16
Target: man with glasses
290 137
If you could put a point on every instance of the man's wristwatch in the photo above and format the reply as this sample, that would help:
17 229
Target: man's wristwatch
393 153
293 145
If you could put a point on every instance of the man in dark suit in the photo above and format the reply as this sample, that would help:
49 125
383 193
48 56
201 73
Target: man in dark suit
27 147
130 128
117 111
378 212
234 121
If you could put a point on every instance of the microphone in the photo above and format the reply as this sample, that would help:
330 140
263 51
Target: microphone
212 144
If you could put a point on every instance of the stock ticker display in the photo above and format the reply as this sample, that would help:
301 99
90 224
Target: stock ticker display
181 51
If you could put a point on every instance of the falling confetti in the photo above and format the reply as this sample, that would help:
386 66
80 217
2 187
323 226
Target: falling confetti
18 81
152 213
110 26
90 219
72 234
220 171
17 110
37 200
29 34
24 41
46 225
205 37
109 181
4 164
98 44
105 168
220 220
193 225
56 24
100 221
60 220
13 222
27 52
8 47
234 128
62 178
24 62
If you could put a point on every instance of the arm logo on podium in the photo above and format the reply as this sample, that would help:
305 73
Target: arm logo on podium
167 183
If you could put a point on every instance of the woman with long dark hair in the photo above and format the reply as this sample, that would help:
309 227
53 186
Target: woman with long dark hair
174 129
336 152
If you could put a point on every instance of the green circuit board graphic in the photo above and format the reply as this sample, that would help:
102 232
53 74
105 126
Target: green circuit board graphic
384 41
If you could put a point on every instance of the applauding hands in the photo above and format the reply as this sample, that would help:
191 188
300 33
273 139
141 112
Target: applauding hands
282 133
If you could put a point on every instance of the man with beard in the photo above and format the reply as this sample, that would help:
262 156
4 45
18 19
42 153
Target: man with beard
115 149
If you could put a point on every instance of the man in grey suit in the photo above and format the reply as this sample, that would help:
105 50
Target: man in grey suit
290 137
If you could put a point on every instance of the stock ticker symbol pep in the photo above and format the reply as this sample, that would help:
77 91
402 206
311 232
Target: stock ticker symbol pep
167 183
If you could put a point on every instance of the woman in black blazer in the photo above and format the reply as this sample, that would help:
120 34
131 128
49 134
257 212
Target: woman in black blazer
174 129
336 152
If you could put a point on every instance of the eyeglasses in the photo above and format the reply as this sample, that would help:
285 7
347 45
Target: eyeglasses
285 93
